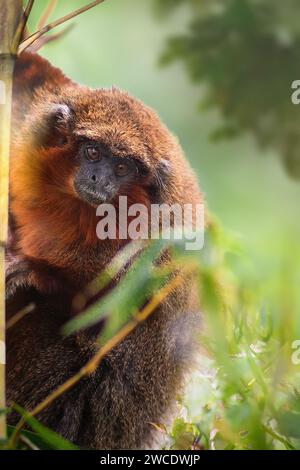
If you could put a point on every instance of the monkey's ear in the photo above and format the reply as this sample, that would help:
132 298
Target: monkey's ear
162 176
54 126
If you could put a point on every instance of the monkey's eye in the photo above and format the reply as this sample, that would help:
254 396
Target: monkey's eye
92 153
122 169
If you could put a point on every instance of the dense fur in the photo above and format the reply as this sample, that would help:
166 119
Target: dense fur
54 252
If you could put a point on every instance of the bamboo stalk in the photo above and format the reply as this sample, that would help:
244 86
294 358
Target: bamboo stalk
22 25
11 12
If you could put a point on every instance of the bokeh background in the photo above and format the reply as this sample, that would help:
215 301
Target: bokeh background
227 96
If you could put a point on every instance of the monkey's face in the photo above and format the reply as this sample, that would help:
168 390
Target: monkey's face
100 175
88 147
94 145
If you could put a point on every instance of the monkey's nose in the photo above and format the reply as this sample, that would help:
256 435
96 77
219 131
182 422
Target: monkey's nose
94 178
101 182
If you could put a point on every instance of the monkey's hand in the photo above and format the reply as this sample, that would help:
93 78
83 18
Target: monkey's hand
22 274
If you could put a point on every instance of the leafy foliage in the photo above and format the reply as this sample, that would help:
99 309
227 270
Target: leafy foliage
248 53
246 394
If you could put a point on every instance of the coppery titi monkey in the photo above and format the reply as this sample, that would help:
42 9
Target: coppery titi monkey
73 148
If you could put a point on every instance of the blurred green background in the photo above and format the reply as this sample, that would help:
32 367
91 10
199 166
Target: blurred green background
246 186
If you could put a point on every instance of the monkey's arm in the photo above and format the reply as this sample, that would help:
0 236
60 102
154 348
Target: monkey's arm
22 273
25 274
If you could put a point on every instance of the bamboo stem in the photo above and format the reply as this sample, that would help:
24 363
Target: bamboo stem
6 70
22 25
10 17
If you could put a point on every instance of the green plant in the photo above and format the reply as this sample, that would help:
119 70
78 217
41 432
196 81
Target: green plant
247 53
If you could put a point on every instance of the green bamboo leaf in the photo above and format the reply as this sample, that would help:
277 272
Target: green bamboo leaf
132 291
49 437
33 437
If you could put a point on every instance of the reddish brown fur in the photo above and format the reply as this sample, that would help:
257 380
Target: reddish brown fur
55 229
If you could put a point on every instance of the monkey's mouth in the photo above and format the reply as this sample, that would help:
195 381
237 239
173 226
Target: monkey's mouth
90 195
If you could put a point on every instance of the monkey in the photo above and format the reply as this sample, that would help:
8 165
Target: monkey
74 148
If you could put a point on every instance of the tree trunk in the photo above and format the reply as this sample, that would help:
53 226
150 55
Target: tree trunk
10 16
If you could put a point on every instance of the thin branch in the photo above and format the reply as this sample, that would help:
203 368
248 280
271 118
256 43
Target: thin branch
33 37
22 25
94 362
279 438
28 8
25 34
28 443
19 315
39 43
45 15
